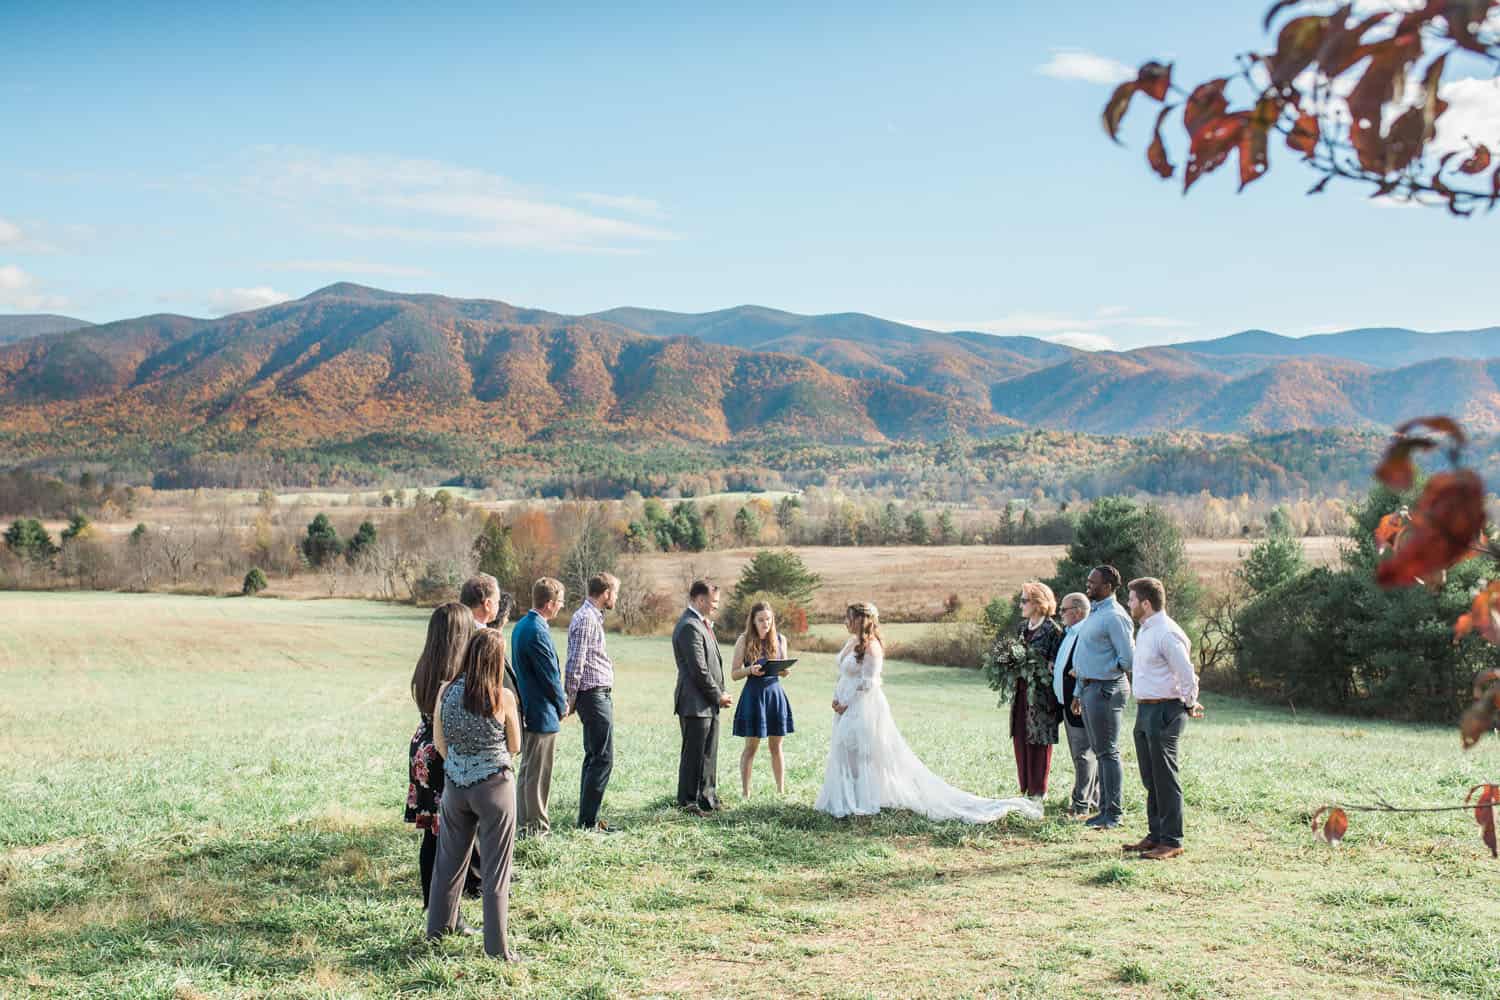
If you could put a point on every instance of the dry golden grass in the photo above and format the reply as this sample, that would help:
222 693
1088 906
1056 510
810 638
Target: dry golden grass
911 582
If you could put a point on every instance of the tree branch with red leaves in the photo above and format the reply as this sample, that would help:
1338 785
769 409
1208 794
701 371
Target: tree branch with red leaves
1335 91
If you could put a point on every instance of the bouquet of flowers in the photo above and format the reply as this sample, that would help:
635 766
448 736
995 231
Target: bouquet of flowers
1010 660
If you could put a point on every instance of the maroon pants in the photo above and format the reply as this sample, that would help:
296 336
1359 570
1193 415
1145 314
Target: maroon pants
1033 760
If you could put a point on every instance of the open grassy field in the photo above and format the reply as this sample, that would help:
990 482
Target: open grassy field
202 798
912 581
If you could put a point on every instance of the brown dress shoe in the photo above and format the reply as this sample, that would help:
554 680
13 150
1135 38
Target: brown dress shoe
1139 846
1161 853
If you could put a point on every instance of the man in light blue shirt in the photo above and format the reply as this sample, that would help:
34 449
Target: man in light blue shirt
1102 657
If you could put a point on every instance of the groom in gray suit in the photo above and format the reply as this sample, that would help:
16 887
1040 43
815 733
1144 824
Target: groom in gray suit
699 696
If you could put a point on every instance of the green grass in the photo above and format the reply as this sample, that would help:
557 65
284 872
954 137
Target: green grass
202 798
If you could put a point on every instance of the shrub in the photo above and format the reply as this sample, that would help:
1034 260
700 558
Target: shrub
255 582
322 542
1271 562
777 572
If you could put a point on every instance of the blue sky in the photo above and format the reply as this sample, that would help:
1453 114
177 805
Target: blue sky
917 162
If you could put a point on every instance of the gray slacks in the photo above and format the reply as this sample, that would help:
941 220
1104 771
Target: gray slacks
489 808
1085 797
1158 729
537 750
1103 715
698 763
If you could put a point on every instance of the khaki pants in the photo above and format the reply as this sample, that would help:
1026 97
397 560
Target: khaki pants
488 809
535 783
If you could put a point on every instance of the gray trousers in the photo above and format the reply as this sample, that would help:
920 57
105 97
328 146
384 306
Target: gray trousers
490 809
1158 729
1085 770
698 763
535 777
1103 715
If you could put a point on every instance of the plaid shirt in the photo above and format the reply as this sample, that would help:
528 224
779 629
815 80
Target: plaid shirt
589 666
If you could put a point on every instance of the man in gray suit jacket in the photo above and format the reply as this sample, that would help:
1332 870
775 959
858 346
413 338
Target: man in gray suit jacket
699 696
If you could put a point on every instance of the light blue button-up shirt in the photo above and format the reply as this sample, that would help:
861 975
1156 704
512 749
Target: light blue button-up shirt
1105 646
1070 638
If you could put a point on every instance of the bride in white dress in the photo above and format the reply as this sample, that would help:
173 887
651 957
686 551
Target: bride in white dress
870 767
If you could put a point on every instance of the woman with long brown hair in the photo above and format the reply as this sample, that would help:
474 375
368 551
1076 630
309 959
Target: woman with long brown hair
763 711
478 731
870 767
448 632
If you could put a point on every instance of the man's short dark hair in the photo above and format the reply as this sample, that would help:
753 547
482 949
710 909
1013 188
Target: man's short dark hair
1110 574
602 583
477 589
700 588
1149 589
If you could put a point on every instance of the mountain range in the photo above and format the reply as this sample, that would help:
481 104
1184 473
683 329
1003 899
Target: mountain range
348 361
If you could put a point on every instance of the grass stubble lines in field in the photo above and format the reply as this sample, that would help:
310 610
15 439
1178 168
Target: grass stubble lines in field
261 855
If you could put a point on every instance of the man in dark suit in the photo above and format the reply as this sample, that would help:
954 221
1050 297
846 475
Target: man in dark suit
699 696
543 705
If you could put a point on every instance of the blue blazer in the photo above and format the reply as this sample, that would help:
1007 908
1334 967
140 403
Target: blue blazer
538 675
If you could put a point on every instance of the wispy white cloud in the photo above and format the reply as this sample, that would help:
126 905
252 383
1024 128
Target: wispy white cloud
223 301
623 203
1077 64
429 201
1105 312
1084 341
351 267
20 291
10 233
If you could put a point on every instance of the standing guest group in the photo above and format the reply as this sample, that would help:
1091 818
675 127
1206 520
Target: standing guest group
481 709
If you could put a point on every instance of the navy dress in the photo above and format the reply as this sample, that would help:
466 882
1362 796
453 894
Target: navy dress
763 708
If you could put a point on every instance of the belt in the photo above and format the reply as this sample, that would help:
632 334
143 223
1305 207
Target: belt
1102 680
1156 701
591 690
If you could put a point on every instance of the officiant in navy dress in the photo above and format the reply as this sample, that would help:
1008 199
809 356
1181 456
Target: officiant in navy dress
763 712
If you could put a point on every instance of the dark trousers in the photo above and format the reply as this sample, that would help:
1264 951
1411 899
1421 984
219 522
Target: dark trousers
488 809
1103 714
427 860
1158 728
698 767
1033 760
597 713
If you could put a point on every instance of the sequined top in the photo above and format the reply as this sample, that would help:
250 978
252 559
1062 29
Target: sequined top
476 745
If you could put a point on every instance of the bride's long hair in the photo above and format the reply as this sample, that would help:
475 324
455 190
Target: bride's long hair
867 630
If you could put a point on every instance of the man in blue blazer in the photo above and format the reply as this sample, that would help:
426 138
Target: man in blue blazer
543 704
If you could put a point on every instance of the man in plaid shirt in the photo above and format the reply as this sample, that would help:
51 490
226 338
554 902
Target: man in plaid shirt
587 680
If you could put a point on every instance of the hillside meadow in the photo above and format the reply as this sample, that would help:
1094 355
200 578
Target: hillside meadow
203 799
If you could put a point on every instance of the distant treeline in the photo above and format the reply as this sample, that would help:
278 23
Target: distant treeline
1055 466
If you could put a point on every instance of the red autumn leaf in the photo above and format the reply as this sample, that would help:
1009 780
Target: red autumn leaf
1484 813
1154 79
1389 60
1206 103
1276 8
1482 618
1396 469
1156 153
1447 519
1212 145
1388 532
1296 47
1443 425
1334 827
1343 44
1114 111
1478 163
1303 138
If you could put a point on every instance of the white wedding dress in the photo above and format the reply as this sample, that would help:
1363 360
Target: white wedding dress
870 767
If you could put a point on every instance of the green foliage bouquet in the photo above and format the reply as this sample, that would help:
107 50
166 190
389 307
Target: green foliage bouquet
1010 660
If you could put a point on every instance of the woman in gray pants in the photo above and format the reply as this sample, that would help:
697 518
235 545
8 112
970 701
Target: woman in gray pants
477 731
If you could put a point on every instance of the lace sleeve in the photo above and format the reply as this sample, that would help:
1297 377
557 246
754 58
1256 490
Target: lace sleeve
869 667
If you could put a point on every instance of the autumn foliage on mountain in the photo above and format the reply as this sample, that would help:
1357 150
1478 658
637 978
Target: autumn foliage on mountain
1356 95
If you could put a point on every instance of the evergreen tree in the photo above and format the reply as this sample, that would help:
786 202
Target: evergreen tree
746 526
363 541
1272 561
777 572
890 529
78 526
916 528
787 512
27 538
496 555
322 542
947 530
1137 541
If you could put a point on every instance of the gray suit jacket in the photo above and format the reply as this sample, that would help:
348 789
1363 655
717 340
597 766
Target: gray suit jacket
700 668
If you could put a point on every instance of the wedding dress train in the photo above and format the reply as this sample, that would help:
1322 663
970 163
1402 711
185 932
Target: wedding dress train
870 767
